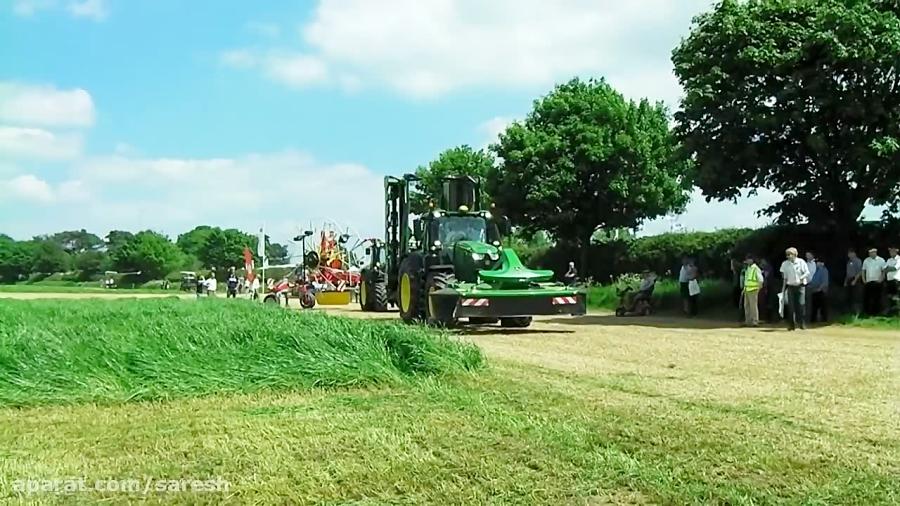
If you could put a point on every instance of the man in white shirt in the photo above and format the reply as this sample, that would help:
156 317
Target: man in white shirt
892 274
795 274
211 285
873 282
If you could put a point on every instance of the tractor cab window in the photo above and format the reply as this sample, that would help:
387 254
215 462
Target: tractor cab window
452 229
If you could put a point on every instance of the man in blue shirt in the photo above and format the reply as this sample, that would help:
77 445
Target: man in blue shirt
819 288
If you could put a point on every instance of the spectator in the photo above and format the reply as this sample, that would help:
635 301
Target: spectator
795 273
753 282
892 273
873 282
571 276
737 286
201 285
765 292
819 288
853 281
687 278
211 285
232 284
254 288
811 265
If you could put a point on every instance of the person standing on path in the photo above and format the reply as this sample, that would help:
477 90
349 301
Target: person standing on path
232 284
795 273
873 282
892 276
687 277
811 265
819 288
211 285
853 282
766 292
201 285
753 283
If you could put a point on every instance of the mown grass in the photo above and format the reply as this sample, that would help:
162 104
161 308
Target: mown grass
54 352
666 296
513 435
71 288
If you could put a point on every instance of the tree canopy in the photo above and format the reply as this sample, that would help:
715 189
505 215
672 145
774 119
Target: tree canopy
798 96
223 249
586 158
149 252
458 161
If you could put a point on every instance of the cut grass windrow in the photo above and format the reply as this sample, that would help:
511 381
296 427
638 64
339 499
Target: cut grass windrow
113 351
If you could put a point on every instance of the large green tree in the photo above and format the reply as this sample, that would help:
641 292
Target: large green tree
48 256
458 161
798 96
77 241
15 259
192 242
223 249
586 158
149 252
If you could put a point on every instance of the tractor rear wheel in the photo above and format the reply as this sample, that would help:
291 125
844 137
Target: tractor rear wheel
365 295
411 288
516 322
439 311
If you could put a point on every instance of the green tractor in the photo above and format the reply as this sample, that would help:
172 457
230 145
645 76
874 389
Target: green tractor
450 264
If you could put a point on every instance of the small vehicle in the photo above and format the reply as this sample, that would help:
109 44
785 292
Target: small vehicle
638 302
188 281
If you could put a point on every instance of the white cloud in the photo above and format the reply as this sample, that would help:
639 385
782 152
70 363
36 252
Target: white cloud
45 105
492 128
95 10
296 70
91 9
175 194
28 188
425 49
38 144
28 8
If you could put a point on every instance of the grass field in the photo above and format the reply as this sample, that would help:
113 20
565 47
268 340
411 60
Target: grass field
563 414
72 288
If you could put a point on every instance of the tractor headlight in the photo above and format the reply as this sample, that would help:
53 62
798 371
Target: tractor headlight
477 257
494 256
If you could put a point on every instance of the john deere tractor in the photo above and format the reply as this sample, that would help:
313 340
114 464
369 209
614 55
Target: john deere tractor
451 265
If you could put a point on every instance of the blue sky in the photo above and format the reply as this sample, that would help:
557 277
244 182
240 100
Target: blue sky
166 114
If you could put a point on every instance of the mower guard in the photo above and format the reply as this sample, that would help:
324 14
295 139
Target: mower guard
508 303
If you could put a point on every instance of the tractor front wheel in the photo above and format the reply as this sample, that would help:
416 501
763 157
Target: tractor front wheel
517 322
439 311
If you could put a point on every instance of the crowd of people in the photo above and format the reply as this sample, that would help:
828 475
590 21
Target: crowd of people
234 285
871 286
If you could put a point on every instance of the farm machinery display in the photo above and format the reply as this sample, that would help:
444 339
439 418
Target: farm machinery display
451 264
325 274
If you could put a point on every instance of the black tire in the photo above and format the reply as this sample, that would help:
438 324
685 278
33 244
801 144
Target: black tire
412 272
483 320
365 292
271 299
439 312
379 293
620 311
516 322
307 300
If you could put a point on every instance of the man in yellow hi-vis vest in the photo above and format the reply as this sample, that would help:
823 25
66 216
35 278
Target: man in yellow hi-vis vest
753 282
